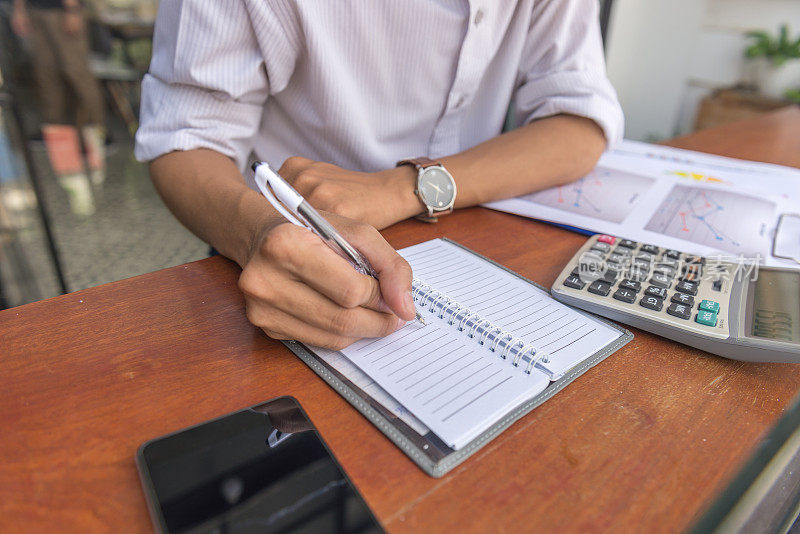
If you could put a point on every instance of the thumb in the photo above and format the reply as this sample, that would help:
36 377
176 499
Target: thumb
394 273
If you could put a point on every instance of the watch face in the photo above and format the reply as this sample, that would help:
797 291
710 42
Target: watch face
436 188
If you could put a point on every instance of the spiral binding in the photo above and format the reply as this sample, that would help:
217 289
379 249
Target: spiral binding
465 320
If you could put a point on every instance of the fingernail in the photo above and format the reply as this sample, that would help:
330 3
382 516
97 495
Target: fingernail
400 323
409 304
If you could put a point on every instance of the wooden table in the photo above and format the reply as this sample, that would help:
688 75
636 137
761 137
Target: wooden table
643 441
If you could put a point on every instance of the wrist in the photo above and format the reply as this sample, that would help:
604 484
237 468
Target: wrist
403 184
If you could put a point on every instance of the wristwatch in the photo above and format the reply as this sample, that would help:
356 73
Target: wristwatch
436 188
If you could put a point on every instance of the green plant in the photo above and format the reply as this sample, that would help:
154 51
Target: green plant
778 49
793 95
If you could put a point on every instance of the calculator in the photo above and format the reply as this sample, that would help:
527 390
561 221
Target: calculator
731 308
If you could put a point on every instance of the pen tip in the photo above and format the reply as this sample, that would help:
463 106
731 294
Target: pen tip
421 320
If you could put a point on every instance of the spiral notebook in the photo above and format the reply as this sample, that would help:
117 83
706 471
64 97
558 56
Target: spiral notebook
495 346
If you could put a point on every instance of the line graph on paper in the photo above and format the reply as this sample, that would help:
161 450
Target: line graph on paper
606 194
724 220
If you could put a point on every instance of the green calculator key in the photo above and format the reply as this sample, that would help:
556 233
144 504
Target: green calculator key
707 318
709 305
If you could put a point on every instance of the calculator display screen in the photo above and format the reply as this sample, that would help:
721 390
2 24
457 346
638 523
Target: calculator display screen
775 312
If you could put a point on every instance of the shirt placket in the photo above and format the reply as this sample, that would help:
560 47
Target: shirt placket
472 61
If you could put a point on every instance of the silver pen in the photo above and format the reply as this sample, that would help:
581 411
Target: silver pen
297 210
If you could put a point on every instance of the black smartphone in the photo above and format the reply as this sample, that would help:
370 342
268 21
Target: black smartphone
263 469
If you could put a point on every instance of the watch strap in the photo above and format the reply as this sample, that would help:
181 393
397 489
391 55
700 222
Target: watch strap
419 163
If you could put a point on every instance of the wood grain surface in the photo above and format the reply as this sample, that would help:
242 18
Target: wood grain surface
644 441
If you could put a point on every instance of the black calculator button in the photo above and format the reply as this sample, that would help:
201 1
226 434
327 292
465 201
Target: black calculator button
616 257
627 243
641 265
680 310
652 303
633 285
645 256
622 251
662 280
637 273
625 295
601 288
668 262
683 298
671 253
610 275
665 270
650 249
574 281
587 273
601 247
717 285
654 291
686 286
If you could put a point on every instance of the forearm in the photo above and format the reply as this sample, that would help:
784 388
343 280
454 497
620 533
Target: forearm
542 154
207 193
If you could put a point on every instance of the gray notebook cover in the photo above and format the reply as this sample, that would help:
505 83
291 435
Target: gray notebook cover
428 451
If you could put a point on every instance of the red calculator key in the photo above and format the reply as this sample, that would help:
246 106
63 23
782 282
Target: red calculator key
606 239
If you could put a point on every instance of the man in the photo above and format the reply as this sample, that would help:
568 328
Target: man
349 88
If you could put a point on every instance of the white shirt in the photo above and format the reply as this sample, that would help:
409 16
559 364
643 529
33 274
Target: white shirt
364 83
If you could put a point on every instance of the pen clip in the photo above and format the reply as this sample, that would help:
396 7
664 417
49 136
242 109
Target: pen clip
291 205
262 182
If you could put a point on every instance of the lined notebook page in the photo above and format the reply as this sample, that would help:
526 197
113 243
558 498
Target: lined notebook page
510 303
455 386
361 380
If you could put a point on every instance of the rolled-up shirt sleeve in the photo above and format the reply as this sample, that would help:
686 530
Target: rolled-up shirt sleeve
563 69
207 82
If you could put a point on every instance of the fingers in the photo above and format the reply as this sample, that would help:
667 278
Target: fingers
284 326
393 271
299 300
309 259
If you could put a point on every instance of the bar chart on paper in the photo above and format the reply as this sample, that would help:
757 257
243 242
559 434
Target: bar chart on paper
715 218
606 194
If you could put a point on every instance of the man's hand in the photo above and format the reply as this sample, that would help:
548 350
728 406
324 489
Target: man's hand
380 199
296 287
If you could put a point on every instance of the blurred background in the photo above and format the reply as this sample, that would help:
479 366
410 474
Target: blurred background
77 210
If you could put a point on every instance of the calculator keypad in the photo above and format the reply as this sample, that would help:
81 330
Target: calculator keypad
643 279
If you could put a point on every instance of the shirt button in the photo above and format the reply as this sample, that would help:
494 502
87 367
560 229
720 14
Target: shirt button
478 17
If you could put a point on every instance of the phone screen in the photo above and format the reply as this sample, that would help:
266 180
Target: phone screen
264 469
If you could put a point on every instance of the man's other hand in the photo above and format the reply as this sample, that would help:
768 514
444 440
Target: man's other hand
380 199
